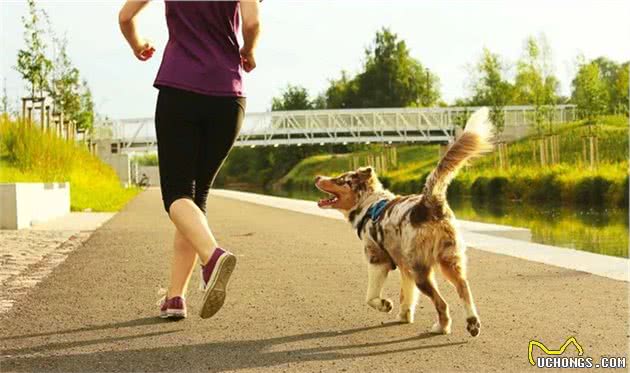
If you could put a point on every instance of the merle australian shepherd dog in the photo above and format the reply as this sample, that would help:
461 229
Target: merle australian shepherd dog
416 233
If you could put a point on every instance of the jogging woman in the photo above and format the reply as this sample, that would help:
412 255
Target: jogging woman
199 111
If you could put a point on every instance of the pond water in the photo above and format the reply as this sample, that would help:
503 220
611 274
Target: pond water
602 231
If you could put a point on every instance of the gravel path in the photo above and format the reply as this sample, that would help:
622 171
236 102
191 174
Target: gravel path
295 304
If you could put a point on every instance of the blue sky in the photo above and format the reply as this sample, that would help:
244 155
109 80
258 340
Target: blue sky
309 42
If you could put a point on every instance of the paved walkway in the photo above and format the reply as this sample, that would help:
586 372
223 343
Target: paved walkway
498 239
295 304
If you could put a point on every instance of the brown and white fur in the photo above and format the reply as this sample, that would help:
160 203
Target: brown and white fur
416 234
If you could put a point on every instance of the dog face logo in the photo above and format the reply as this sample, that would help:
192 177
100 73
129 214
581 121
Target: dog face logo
348 189
547 351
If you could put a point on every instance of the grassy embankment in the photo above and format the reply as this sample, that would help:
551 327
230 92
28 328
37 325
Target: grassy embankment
569 182
29 155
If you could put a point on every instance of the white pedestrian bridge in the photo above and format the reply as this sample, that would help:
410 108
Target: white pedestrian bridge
345 126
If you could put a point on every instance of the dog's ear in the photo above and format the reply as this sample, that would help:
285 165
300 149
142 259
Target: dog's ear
365 175
364 178
366 172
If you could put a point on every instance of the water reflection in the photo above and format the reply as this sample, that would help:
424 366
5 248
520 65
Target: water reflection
603 231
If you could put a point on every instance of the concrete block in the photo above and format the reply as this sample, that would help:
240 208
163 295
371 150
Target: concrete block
23 204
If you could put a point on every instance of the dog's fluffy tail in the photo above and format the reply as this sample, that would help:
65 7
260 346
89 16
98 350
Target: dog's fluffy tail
472 143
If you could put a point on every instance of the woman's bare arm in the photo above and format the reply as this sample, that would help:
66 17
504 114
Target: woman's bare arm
142 48
251 32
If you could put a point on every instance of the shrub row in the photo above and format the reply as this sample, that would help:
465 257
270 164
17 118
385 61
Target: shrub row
591 191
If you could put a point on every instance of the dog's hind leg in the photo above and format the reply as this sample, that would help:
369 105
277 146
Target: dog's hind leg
408 297
454 270
377 274
426 283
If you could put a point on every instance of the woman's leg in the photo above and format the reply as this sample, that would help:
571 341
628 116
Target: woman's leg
193 225
182 264
195 134
225 116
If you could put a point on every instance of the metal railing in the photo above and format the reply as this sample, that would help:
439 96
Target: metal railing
343 126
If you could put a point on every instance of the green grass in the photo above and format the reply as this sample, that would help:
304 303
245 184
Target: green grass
413 160
28 154
612 133
146 159
569 182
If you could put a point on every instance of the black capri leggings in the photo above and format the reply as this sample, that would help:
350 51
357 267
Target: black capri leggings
195 133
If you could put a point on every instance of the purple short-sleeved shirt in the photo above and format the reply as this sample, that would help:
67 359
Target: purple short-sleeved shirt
202 53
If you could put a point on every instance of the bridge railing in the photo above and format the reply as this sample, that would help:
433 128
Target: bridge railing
350 125
295 127
378 125
391 117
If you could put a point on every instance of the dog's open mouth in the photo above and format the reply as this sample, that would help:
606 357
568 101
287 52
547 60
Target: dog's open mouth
331 200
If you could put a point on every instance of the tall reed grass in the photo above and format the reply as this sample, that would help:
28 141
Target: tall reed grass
28 154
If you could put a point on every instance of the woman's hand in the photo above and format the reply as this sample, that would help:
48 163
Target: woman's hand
251 30
143 50
248 60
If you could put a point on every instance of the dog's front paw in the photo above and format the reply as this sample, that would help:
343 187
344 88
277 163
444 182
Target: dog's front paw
383 305
437 328
405 316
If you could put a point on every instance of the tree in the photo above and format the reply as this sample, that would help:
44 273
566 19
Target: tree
490 88
535 82
390 78
32 62
292 98
65 85
319 102
536 85
620 102
591 95
610 73
341 93
84 117
590 92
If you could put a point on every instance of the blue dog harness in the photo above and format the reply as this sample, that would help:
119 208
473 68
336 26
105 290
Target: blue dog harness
374 212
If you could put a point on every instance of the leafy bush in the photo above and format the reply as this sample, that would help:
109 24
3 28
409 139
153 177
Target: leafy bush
479 188
592 190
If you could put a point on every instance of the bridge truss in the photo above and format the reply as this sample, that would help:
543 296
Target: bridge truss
344 126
